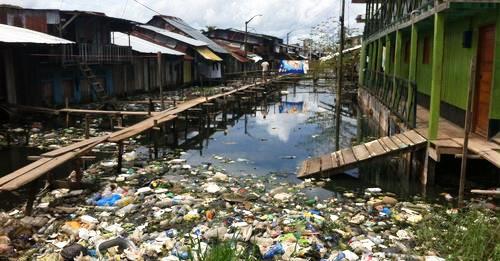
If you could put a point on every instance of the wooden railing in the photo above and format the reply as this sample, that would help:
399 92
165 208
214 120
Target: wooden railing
398 94
393 12
96 54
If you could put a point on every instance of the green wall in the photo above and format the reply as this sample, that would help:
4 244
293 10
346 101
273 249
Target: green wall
456 67
495 94
405 66
424 71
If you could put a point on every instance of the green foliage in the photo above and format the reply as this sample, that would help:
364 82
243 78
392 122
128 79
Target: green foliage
467 235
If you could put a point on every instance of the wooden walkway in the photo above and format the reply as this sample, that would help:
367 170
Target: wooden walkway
345 159
448 142
53 159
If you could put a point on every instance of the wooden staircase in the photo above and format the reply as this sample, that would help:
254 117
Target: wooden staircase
349 158
96 86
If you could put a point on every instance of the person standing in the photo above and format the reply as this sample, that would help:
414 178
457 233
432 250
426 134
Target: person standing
265 70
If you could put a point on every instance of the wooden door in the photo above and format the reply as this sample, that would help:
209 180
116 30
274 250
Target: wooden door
486 48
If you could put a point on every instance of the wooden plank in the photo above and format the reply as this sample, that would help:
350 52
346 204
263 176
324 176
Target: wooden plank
493 157
348 156
478 145
99 112
334 160
326 162
375 148
385 147
74 146
303 169
404 139
414 137
23 170
315 166
360 152
340 158
389 143
398 142
434 155
38 168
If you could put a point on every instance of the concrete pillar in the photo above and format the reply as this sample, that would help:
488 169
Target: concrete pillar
10 77
437 74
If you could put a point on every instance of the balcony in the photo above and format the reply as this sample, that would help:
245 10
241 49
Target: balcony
390 13
397 94
95 54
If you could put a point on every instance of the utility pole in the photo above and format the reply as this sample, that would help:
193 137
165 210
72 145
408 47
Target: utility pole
246 39
340 78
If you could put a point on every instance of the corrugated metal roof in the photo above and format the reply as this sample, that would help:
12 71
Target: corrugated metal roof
175 36
196 34
207 54
141 45
13 34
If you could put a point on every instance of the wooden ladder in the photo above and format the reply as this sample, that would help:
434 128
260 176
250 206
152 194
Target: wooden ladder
96 86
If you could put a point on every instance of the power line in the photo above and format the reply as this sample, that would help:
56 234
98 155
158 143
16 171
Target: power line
124 9
147 7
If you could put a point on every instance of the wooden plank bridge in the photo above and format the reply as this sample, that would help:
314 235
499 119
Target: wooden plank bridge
50 160
342 160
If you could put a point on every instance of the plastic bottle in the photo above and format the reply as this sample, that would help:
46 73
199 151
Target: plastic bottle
275 250
125 201
125 210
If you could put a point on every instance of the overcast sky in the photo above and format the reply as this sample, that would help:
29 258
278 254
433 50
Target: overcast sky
279 16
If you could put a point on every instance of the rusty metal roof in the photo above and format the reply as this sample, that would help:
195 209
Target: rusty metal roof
13 34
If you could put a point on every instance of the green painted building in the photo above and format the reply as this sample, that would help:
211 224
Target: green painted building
428 52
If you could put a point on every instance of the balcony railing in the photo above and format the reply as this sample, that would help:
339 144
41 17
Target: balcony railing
95 54
398 94
394 12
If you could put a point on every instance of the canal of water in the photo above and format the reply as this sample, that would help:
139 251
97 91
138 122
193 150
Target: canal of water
276 135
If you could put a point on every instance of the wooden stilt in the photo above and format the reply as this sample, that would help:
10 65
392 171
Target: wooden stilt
87 126
175 133
120 157
111 126
156 137
468 123
67 114
28 210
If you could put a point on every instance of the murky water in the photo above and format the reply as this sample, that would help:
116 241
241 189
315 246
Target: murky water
275 136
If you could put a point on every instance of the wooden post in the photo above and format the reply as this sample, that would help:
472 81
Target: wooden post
468 123
120 157
437 75
387 63
111 126
28 210
175 133
398 53
362 65
340 77
160 81
119 120
155 133
380 53
67 113
87 126
78 169
412 77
